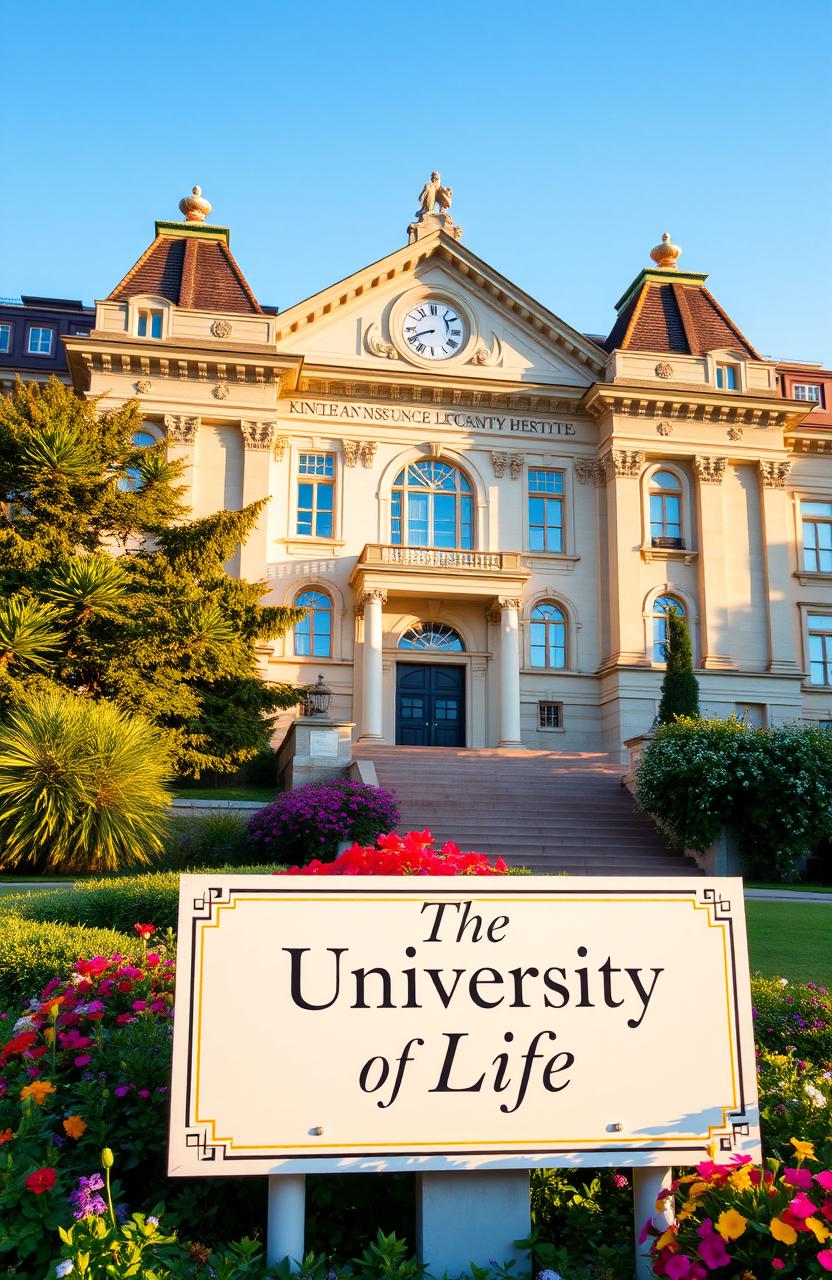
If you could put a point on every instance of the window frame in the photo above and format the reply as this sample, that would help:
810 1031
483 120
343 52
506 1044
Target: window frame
724 370
676 543
151 313
797 387
324 480
825 635
460 495
40 328
9 325
544 704
556 498
816 521
548 624
667 593
311 611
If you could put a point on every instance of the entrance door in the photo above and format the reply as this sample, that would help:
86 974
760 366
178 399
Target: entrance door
430 705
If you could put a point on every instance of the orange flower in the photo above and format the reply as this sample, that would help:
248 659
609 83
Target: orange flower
38 1089
782 1231
6 1136
74 1126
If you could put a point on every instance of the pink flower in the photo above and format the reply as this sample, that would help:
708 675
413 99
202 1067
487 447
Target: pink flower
712 1250
144 1093
122 1090
124 1018
778 1264
152 959
677 1267
824 1180
139 1005
825 1259
802 1207
645 1231
619 1180
82 1059
801 1178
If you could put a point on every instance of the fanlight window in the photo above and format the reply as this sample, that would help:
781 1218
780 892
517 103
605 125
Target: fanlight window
432 635
313 634
432 506
547 631
661 607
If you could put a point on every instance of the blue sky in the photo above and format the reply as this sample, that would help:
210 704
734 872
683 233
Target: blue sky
573 136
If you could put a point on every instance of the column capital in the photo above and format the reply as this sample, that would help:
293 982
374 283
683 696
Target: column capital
774 474
710 470
510 602
181 428
368 597
258 434
586 470
619 462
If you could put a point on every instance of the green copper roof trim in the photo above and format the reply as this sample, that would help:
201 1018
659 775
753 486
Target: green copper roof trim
655 275
179 230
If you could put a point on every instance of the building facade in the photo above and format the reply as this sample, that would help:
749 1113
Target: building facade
31 337
486 513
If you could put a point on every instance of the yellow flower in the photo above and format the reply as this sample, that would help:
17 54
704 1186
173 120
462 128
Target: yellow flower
815 1224
49 1034
74 1126
667 1238
731 1225
740 1180
38 1090
803 1150
689 1206
698 1189
713 1149
782 1231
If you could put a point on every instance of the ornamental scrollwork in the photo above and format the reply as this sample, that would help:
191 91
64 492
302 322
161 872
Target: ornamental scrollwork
664 370
221 329
710 470
774 474
367 450
143 386
585 470
221 391
180 429
515 463
350 448
485 356
498 462
376 345
258 435
664 428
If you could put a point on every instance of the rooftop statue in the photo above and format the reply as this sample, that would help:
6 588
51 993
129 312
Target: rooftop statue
434 193
427 218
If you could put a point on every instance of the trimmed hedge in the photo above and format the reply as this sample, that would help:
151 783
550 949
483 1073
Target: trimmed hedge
31 953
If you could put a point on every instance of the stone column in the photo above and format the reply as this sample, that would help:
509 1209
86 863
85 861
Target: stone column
713 584
372 729
776 542
180 433
260 443
509 673
616 471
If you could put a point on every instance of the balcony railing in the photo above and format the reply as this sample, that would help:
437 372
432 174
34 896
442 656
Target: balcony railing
379 554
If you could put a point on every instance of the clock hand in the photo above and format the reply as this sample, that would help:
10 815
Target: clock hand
423 332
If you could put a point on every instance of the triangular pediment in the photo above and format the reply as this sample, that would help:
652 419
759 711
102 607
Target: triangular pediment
360 323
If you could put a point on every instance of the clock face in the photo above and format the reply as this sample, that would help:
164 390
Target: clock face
433 330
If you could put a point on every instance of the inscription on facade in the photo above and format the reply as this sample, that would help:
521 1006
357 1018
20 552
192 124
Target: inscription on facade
400 415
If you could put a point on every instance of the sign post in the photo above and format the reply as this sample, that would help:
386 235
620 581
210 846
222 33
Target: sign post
451 1026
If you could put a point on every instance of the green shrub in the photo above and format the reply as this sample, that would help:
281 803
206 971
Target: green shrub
32 953
81 786
793 1016
680 691
218 839
771 787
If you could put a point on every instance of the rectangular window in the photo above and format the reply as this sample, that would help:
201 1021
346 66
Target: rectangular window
550 715
546 490
820 649
726 377
316 494
5 337
808 391
40 342
150 324
817 536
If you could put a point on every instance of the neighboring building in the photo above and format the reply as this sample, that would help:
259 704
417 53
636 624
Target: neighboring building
810 383
31 337
486 513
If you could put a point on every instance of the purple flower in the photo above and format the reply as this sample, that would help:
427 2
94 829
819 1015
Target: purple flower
85 1199
122 1090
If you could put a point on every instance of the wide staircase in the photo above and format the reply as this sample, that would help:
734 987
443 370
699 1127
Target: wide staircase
551 812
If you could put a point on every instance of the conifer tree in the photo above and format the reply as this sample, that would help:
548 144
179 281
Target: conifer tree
680 689
108 590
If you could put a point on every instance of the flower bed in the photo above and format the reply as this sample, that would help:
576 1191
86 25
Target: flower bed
311 821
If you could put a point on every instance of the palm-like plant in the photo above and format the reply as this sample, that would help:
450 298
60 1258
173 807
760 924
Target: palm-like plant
87 586
57 448
30 634
81 786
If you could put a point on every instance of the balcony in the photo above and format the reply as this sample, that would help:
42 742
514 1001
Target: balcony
439 571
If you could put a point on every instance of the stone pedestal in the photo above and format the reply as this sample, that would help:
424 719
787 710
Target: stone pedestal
470 1217
425 224
314 750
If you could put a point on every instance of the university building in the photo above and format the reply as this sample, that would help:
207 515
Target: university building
486 513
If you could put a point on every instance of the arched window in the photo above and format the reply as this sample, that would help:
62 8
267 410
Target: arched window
313 634
432 506
661 607
432 635
547 635
131 480
665 510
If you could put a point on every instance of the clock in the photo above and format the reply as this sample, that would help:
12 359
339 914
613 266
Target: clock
433 330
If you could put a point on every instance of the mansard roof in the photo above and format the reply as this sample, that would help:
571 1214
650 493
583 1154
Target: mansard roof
192 266
673 312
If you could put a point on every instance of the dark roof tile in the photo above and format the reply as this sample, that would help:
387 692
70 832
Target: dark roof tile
200 275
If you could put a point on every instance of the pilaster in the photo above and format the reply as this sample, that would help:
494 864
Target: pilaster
618 472
713 577
776 542
259 439
181 435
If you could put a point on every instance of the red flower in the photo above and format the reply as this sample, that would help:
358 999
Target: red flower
6 1136
41 1180
18 1045
145 930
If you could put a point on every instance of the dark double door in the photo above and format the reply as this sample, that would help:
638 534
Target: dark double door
430 705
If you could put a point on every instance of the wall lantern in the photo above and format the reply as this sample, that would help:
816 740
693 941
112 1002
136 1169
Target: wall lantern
319 697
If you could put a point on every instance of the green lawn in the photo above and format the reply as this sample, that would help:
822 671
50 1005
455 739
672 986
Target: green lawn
796 887
791 940
226 793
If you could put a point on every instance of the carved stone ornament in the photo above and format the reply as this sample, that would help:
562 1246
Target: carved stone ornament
367 452
258 435
482 355
498 462
735 433
710 470
180 429
364 599
350 448
774 474
664 370
279 449
376 345
515 463
143 386
585 470
221 391
620 462
664 428
221 329
510 602
492 617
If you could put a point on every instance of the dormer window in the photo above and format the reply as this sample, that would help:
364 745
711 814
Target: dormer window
150 323
727 377
812 391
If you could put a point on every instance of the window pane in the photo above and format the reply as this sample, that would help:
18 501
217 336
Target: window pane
5 336
155 324
142 324
417 520
396 519
466 532
304 508
820 622
817 509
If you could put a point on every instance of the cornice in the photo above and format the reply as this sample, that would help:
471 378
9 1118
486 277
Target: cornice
815 440
516 397
206 362
683 405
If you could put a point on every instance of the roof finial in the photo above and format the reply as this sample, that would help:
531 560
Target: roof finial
665 254
194 207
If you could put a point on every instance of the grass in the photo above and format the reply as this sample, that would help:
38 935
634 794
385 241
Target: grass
791 940
796 887
226 793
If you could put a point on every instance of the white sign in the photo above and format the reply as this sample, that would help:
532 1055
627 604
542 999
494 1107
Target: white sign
407 415
323 742
412 1023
